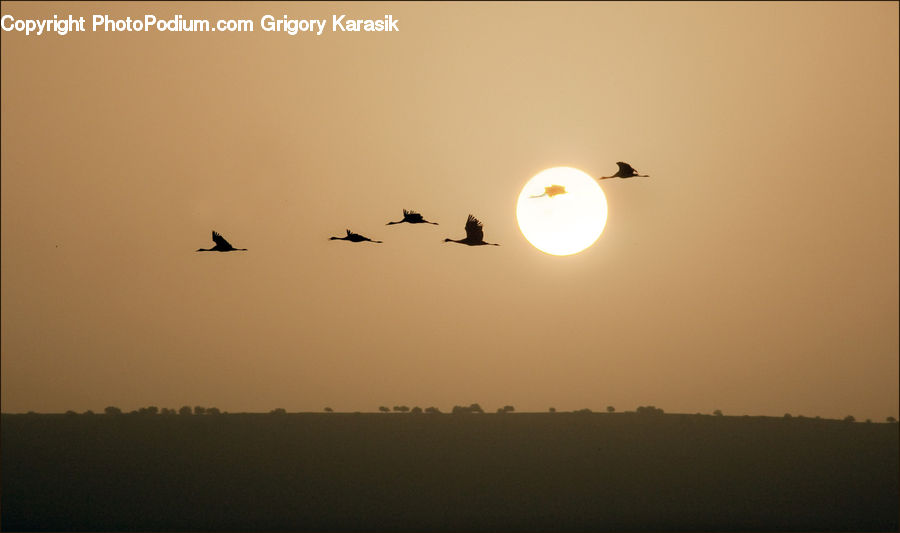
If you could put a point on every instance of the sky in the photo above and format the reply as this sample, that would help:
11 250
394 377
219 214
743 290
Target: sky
755 271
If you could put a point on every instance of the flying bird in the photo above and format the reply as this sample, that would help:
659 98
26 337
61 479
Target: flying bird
352 237
411 217
552 191
625 171
221 245
474 234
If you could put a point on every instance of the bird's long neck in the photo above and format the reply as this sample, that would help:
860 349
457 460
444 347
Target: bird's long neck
204 250
389 223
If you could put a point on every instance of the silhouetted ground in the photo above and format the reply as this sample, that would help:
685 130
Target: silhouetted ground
469 472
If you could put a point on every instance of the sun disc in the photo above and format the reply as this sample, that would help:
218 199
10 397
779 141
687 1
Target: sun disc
561 223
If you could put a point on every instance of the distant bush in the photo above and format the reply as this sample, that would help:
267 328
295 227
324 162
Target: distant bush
649 410
891 420
213 411
552 409
185 410
788 415
89 412
717 412
433 410
474 408
416 410
166 411
849 418
401 408
584 411
152 410
329 410
112 410
278 411
384 409
610 409
71 413
506 409
198 410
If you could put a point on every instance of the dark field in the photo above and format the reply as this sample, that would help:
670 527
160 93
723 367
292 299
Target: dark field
429 472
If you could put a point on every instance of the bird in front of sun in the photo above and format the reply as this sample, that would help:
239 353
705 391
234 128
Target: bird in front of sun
474 234
625 171
412 217
551 191
221 245
352 237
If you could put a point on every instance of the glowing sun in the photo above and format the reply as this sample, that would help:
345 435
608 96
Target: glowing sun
561 211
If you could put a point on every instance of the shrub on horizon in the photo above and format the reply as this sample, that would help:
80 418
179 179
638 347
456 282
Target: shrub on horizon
111 410
185 410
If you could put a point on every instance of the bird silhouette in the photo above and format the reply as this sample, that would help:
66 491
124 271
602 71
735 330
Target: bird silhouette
221 245
552 191
625 171
352 237
474 234
411 217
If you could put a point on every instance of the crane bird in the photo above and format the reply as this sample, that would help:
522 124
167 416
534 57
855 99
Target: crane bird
552 191
474 234
352 237
411 217
625 171
221 245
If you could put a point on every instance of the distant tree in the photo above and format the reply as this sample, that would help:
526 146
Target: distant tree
329 410
868 421
401 408
849 418
112 410
384 409
458 409
584 411
148 410
213 411
475 408
198 410
185 410
433 410
89 412
508 409
278 411
649 410
717 412
416 410
891 420
167 412
788 415
552 409
610 409
71 413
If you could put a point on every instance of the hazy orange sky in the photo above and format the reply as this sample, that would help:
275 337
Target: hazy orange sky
755 272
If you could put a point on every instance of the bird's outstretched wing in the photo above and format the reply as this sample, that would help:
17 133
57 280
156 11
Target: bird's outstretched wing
474 229
220 240
625 168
